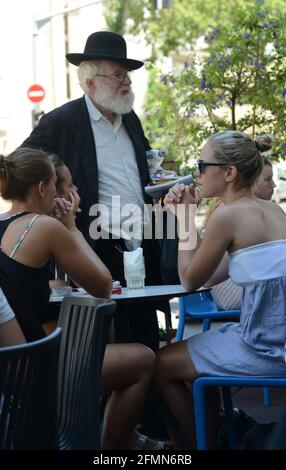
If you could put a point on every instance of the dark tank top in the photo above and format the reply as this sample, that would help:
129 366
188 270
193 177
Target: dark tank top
26 288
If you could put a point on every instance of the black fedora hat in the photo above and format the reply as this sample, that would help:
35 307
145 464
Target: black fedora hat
105 45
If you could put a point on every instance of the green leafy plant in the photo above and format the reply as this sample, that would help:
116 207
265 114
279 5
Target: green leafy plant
237 82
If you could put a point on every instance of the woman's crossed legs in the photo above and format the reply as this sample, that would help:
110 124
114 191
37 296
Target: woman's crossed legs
174 375
126 374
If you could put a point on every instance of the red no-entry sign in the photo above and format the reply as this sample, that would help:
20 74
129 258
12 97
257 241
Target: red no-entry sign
36 93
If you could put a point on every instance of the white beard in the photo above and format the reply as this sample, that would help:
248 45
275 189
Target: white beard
117 104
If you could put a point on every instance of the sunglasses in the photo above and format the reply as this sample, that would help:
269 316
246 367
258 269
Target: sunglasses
119 77
203 165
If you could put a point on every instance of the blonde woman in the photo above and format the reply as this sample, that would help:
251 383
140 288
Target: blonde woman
249 230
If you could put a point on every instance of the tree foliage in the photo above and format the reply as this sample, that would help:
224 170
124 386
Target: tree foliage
116 13
176 28
236 81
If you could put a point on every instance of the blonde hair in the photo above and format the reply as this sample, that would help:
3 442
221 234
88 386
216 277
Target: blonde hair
22 169
87 70
214 204
239 149
265 143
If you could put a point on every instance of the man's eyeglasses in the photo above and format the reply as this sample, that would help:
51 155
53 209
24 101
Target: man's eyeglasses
119 77
203 165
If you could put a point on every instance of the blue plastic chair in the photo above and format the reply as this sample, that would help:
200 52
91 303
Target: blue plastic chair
202 306
202 383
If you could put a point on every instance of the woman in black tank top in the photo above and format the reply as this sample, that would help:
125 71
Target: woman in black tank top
30 238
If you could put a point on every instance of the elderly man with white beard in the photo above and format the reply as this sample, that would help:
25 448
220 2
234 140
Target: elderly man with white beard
101 140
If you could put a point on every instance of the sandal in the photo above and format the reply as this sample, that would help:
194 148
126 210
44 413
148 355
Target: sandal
144 442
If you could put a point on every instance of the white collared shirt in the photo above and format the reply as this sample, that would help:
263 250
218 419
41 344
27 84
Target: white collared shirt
118 173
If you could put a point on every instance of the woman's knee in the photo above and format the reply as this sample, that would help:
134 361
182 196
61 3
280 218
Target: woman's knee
163 364
125 365
174 363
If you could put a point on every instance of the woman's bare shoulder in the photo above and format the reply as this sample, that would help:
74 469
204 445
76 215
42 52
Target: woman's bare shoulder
270 207
276 207
49 224
221 223
225 220
222 213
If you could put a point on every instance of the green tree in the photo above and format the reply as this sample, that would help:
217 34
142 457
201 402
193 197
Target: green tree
116 13
238 83
176 28
167 30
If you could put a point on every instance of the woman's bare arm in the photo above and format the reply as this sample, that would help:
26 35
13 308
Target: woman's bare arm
199 260
220 274
73 255
89 266
11 333
198 263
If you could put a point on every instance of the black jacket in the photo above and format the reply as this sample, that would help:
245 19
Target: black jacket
67 132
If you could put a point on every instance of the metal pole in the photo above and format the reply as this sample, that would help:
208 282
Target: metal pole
36 107
42 21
